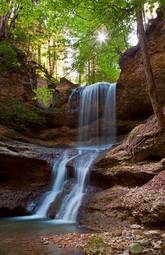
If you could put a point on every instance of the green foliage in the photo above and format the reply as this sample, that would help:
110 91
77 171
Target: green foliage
44 95
17 113
8 57
47 29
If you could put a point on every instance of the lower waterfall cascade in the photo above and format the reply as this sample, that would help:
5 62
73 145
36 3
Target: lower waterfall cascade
90 145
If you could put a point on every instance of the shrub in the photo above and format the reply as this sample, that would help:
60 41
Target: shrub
44 95
19 114
8 57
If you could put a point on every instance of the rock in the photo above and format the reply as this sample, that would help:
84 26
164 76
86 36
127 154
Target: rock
132 99
17 86
44 241
152 233
147 203
100 210
24 176
157 245
124 253
163 248
136 160
96 246
135 248
144 242
136 226
63 90
163 162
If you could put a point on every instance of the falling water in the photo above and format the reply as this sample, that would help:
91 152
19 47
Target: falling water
59 177
109 116
91 98
69 209
97 113
97 127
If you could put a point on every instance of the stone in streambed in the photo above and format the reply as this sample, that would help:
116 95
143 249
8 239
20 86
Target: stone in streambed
96 246
135 248
163 248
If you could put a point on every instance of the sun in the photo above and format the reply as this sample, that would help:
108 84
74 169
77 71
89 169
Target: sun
101 37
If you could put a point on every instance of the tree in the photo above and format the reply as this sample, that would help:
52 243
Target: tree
150 81
123 13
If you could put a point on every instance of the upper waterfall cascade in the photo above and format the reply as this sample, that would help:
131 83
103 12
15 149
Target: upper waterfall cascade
97 129
97 113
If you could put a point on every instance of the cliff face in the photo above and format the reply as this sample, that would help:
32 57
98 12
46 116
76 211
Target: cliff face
16 86
132 99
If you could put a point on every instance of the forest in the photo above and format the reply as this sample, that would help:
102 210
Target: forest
82 127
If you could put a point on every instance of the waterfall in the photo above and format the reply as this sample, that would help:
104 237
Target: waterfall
69 209
97 104
91 99
59 177
109 117
97 128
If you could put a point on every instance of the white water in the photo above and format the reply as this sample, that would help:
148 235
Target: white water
69 209
97 113
91 99
59 178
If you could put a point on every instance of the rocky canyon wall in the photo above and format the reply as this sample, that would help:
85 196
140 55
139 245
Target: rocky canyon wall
132 99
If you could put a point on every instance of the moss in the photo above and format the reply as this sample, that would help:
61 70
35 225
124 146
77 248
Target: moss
96 246
8 57
17 114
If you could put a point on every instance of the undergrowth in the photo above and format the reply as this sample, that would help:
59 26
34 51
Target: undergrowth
8 57
17 114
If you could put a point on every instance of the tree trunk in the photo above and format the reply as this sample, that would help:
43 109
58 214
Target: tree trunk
79 78
151 86
39 53
89 71
3 27
49 57
93 70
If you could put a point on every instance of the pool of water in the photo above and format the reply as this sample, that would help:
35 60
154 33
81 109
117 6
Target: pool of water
22 236
24 226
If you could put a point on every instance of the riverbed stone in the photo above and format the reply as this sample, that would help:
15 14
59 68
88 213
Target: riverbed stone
136 248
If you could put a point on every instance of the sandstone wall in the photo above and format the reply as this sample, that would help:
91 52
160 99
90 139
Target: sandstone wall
132 99
17 85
